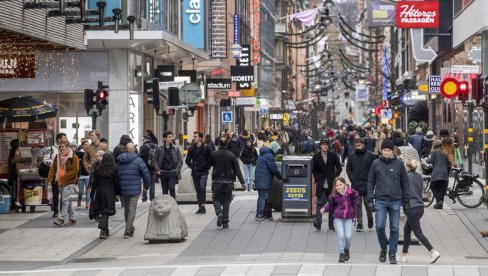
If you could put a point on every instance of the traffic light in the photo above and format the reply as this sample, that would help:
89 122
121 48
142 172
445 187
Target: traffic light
152 90
477 89
174 96
89 100
463 93
102 99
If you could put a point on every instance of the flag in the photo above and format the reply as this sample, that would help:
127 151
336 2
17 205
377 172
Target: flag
306 17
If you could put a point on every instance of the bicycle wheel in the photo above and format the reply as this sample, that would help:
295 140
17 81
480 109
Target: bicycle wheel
427 195
470 196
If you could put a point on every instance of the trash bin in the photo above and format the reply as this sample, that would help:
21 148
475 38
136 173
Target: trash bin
297 190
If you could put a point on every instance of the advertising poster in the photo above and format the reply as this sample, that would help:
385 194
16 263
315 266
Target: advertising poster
381 13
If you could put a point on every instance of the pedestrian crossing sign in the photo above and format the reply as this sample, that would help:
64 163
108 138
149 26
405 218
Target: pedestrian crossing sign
227 117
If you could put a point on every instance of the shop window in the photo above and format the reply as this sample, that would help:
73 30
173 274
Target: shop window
62 123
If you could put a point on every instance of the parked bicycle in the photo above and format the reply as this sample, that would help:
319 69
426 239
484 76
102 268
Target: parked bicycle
467 189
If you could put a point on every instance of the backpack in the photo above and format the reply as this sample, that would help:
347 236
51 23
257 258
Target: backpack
306 146
152 148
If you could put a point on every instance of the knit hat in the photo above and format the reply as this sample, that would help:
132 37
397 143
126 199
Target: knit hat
430 134
274 146
387 144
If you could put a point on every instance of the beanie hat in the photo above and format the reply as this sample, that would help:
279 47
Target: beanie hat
430 134
274 146
387 144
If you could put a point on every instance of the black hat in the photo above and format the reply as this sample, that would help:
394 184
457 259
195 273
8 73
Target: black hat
387 144
324 141
147 138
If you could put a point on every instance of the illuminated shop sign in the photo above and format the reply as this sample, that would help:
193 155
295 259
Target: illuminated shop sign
193 23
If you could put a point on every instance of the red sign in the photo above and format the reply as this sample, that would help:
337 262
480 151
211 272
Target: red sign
417 15
256 43
234 94
450 88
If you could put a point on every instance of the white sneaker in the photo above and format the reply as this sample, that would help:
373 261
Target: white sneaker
434 257
252 190
401 258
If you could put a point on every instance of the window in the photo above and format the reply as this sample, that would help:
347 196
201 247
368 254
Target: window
170 10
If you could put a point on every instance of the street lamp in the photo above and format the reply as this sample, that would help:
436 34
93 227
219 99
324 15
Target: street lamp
236 50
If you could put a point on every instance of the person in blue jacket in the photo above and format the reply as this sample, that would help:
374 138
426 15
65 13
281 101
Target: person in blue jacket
131 168
265 170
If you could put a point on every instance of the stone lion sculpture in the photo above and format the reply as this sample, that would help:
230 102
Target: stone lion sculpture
165 221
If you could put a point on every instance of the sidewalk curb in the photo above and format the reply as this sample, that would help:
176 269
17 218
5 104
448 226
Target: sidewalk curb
141 210
482 241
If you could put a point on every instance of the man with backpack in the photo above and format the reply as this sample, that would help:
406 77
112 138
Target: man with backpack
147 152
198 160
305 145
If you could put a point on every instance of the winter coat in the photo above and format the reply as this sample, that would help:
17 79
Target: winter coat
387 180
415 186
198 160
369 144
343 206
249 155
105 188
90 152
357 169
233 147
131 169
416 142
427 146
72 167
265 169
349 148
322 171
177 159
439 161
243 140
448 148
225 167
145 154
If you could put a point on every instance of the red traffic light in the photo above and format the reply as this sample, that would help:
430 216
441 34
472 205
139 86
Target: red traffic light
463 91
103 95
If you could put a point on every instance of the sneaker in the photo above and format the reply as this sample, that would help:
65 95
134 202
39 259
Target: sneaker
435 256
438 205
252 190
225 225
132 230
401 258
331 228
370 223
383 256
127 235
71 222
341 258
59 222
393 259
267 218
317 225
220 219
55 214
201 211
259 218
346 255
359 228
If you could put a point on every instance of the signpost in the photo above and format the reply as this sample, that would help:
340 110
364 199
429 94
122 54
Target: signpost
227 117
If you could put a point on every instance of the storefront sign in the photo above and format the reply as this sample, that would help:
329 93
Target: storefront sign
465 69
417 15
435 84
242 73
413 97
218 84
256 44
17 66
166 73
246 101
423 86
218 29
381 13
237 28
244 60
194 23
188 73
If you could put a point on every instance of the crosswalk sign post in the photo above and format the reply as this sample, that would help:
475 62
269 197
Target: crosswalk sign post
227 117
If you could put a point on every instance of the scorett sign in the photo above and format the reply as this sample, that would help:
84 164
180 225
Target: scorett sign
242 73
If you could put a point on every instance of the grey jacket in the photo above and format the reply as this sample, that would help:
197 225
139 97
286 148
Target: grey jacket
439 161
177 159
387 180
415 184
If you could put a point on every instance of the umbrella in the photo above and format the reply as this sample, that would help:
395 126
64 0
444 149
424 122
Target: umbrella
25 109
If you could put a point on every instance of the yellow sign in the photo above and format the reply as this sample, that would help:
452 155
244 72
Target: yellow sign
295 192
396 115
248 92
286 117
486 146
470 129
424 88
485 131
470 139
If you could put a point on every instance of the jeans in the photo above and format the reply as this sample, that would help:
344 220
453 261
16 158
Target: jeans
343 228
413 224
222 195
67 212
322 199
200 183
249 175
152 188
359 214
392 209
130 207
262 196
168 183
83 189
439 189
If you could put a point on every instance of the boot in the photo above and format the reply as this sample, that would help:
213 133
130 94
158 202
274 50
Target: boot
78 205
341 258
346 255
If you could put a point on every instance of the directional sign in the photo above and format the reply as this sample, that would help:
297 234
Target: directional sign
227 117
475 54
420 53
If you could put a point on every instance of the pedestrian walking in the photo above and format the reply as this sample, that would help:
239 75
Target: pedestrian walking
147 152
357 169
379 136
415 213
249 157
83 177
234 145
440 173
131 169
343 203
61 138
387 191
198 160
225 170
427 144
168 163
209 142
105 188
326 166
122 146
65 169
12 173
92 149
416 140
265 170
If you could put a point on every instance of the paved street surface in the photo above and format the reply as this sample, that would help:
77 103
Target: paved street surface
31 244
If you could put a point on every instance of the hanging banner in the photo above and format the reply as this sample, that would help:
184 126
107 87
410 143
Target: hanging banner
417 15
194 23
381 13
362 94
218 29
17 66
237 29
244 60
256 42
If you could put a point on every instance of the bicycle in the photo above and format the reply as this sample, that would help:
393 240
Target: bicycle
466 189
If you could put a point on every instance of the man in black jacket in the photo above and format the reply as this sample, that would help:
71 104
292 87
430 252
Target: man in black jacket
198 160
325 168
225 169
146 152
167 164
388 187
357 169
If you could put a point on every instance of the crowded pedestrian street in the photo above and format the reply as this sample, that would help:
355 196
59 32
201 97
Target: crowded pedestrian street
246 137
